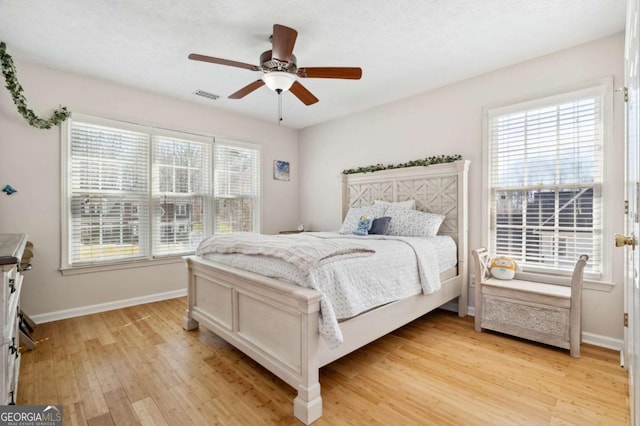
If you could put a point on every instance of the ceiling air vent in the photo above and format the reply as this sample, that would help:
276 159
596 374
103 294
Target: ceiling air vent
206 94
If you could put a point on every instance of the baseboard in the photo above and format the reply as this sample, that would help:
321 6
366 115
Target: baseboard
590 338
103 307
602 341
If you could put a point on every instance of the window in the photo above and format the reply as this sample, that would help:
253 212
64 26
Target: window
181 193
237 188
545 175
135 193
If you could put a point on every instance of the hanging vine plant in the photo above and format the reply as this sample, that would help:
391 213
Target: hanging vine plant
422 162
14 87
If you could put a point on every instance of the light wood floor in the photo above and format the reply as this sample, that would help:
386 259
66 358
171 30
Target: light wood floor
137 366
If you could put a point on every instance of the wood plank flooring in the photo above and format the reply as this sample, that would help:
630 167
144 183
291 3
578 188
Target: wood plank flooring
138 366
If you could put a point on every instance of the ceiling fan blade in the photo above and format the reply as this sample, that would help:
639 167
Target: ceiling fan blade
351 73
303 94
247 89
203 58
283 40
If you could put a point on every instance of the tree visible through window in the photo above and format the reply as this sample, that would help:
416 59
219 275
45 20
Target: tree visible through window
237 188
181 193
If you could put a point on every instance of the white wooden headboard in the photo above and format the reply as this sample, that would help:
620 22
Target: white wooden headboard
439 188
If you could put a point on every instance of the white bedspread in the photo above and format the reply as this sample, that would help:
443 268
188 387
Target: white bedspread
400 267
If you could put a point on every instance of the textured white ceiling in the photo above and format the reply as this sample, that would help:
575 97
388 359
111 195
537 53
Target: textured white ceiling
404 46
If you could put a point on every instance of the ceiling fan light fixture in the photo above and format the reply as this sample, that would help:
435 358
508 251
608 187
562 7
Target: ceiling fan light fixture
279 80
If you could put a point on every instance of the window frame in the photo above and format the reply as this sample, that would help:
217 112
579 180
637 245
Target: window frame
66 268
604 86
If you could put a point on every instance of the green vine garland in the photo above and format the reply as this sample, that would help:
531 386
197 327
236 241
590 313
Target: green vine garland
12 84
422 162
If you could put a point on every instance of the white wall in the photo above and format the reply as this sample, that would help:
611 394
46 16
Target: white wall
449 121
443 121
30 162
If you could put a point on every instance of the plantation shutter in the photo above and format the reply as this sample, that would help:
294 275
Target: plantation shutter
181 194
108 190
236 188
546 177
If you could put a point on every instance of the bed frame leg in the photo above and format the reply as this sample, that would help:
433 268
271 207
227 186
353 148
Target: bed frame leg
189 323
463 309
307 406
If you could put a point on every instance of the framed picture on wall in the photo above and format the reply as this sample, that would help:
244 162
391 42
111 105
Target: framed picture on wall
280 170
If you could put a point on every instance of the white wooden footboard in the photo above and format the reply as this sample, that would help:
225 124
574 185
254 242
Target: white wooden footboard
273 322
276 323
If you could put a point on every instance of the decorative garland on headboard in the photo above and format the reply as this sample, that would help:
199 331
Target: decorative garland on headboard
423 162
12 84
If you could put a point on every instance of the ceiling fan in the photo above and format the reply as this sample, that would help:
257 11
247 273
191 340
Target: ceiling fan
280 68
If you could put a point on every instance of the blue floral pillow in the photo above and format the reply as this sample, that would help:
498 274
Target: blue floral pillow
354 214
364 225
413 223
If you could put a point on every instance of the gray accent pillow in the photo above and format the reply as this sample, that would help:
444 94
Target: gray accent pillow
380 226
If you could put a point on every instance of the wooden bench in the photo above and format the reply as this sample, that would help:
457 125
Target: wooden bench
544 313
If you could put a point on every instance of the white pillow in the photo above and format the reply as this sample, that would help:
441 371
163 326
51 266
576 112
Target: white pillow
354 214
409 204
413 223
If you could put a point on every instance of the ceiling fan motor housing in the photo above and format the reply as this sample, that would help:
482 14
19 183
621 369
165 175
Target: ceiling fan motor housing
269 63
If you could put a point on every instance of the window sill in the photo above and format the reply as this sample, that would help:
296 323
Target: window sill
76 270
589 284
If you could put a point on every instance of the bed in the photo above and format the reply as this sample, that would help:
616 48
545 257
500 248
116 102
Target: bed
276 322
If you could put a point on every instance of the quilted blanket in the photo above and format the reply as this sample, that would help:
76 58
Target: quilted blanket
372 270
305 255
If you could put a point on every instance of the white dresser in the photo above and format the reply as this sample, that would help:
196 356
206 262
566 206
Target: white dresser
11 249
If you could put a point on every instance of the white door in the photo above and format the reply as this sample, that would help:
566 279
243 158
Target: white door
632 228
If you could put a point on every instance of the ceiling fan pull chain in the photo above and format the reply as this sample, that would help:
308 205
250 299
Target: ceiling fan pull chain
279 91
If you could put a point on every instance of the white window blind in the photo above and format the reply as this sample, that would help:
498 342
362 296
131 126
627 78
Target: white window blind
181 200
132 192
108 193
545 177
237 188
